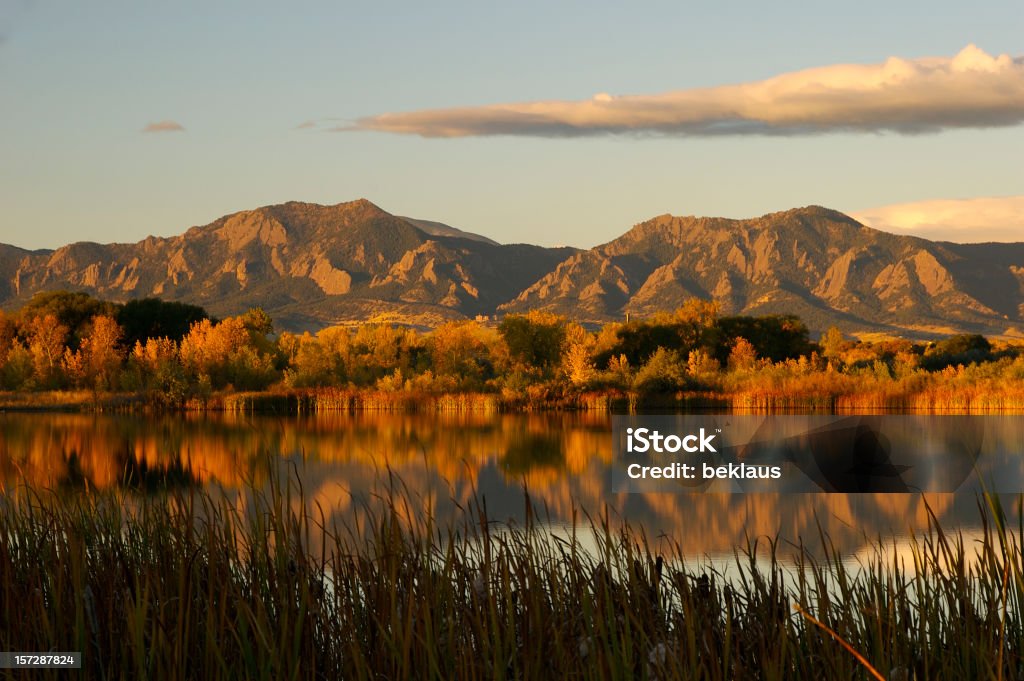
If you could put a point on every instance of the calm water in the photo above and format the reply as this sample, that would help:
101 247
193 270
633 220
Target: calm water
444 462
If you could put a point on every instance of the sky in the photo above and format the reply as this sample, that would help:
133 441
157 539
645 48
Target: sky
539 122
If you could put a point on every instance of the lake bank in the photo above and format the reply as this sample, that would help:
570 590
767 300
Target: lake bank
988 398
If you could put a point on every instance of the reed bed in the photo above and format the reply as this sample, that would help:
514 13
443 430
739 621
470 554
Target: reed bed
188 586
816 395
348 400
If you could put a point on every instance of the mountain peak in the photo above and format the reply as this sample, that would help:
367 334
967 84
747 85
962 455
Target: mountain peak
308 265
311 265
813 261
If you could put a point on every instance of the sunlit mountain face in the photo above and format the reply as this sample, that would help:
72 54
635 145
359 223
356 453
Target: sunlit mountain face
311 266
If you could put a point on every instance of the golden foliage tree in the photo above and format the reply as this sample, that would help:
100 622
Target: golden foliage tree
102 353
462 350
45 337
311 361
8 332
742 356
577 360
223 355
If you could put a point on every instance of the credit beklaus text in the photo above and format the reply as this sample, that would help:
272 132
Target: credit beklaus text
646 440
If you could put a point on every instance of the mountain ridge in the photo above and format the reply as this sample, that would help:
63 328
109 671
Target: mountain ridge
812 261
311 265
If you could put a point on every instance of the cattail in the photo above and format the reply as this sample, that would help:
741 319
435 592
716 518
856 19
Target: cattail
585 646
90 610
657 656
480 585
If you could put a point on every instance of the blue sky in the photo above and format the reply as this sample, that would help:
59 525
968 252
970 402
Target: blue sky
79 82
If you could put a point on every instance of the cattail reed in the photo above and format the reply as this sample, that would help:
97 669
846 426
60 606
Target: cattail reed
207 584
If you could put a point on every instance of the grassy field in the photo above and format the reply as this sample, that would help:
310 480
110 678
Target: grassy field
187 585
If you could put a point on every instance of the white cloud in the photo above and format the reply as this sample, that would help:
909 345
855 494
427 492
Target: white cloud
971 89
960 220
164 126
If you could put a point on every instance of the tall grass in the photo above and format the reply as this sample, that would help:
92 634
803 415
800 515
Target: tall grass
311 401
189 586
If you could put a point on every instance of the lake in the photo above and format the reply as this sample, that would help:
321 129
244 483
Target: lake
443 462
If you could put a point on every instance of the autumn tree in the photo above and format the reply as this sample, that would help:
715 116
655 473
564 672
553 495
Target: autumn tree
664 371
17 371
605 341
639 340
381 349
102 353
72 309
154 366
701 365
311 364
45 338
577 362
697 321
534 339
15 360
742 356
620 372
462 351
225 354
832 344
8 335
775 337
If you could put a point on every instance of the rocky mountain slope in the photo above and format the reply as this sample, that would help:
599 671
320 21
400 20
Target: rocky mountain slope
310 266
814 262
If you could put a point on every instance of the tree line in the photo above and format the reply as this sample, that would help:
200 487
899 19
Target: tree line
173 352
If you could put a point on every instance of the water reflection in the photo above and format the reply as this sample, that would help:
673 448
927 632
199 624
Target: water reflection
444 461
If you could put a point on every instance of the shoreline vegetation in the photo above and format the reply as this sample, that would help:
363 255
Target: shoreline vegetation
936 400
192 584
69 351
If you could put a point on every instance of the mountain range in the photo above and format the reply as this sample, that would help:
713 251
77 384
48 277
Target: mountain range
312 266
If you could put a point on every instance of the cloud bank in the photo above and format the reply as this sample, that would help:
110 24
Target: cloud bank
960 220
908 96
164 126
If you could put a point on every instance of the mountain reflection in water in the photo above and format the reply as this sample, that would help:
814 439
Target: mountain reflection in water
444 461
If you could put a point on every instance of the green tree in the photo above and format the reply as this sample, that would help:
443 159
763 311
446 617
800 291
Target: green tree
154 318
460 350
311 364
964 349
534 339
377 350
74 310
663 372
775 337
